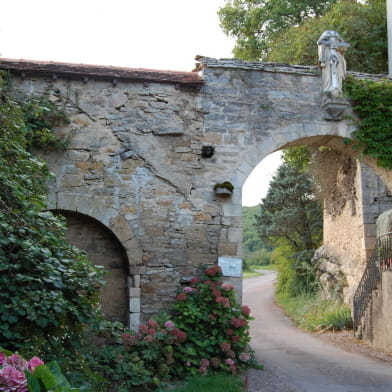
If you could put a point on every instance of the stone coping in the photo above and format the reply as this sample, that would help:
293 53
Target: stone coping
86 72
312 70
209 62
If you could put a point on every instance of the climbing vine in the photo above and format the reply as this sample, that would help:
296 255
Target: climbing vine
372 102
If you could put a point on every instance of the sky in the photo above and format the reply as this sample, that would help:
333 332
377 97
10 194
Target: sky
156 34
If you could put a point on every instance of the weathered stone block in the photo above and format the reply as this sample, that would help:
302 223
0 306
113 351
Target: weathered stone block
137 270
134 321
72 180
134 304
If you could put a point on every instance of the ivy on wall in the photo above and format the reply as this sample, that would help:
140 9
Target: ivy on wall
372 103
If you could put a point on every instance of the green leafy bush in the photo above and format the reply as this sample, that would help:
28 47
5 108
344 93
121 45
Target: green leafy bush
49 289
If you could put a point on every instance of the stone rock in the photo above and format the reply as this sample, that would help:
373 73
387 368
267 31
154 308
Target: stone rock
329 273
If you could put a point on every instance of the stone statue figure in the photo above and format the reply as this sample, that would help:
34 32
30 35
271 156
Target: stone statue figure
331 48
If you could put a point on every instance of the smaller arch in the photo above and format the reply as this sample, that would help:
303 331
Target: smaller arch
102 248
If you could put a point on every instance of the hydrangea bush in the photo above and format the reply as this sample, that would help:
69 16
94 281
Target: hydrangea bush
206 331
217 327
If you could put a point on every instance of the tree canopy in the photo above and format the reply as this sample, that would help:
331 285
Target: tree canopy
289 213
363 26
256 23
287 31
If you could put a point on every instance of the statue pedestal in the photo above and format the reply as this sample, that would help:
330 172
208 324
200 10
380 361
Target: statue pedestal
334 108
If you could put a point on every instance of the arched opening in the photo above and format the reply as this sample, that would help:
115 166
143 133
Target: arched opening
102 248
350 224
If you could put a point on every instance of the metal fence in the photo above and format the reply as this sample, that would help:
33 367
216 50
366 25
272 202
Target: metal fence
380 260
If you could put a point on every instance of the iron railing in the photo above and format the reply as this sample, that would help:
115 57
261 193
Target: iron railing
380 260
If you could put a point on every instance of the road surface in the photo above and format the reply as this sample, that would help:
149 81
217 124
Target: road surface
299 361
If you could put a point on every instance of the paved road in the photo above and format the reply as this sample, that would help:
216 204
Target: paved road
306 363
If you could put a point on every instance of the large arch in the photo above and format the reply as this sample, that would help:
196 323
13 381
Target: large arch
362 228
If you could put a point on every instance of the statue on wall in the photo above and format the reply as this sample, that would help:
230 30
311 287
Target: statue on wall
331 48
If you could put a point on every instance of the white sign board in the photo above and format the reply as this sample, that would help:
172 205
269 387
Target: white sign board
231 266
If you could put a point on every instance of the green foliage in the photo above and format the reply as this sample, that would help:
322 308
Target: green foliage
48 378
217 327
298 156
212 383
372 102
255 24
314 314
49 289
289 212
251 239
255 252
361 25
257 258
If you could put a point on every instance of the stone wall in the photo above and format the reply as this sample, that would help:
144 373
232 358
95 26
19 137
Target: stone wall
350 236
134 160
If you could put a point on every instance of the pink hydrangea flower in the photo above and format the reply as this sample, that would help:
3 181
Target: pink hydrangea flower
213 271
244 357
181 297
153 324
227 287
143 329
12 380
16 361
229 362
187 289
33 363
225 347
246 310
235 339
169 324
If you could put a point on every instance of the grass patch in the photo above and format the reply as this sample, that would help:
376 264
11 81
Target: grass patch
269 267
256 270
314 314
213 383
251 274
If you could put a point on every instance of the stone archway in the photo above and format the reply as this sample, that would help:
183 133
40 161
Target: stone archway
102 248
350 236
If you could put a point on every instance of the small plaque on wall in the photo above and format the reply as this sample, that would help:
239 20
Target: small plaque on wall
231 266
